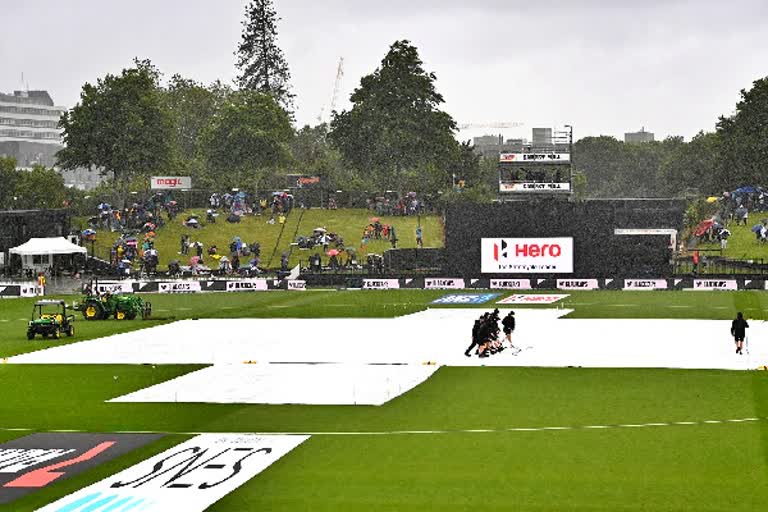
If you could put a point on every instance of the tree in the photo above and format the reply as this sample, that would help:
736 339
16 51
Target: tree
260 60
40 188
247 139
395 128
693 168
744 139
121 126
9 177
191 106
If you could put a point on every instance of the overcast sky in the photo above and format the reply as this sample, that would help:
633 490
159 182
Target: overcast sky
604 67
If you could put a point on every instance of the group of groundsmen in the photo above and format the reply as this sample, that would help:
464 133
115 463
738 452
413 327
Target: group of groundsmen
486 340
485 334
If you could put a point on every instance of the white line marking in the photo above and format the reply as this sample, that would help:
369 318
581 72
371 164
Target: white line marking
679 306
421 432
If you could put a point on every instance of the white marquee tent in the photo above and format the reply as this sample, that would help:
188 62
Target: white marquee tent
38 253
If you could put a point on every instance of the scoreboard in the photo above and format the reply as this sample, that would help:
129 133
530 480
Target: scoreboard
539 172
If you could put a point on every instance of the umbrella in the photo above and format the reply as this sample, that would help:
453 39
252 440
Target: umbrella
320 230
374 219
332 252
89 232
703 227
194 260
711 199
172 203
192 222
757 228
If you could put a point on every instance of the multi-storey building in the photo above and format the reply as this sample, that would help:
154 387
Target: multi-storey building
29 129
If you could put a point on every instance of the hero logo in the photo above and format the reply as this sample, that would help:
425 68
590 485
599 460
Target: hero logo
527 255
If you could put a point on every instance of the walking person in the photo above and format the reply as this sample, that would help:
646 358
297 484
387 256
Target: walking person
419 237
738 331
509 328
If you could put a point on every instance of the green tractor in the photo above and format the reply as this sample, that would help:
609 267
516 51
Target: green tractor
117 306
49 318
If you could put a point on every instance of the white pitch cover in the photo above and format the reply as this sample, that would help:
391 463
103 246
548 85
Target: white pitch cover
191 476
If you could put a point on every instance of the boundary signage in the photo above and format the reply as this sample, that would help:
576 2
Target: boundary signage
645 284
532 299
381 284
443 283
33 462
247 285
191 476
715 284
510 284
577 284
170 182
179 287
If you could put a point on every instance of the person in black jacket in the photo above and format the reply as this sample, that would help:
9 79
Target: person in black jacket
738 331
475 336
509 327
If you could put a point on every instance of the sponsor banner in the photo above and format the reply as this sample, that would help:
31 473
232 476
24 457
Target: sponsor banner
526 255
577 284
171 182
528 186
466 298
114 287
381 284
443 283
247 285
297 285
645 284
20 290
532 299
33 462
179 287
190 477
301 180
510 284
534 157
715 284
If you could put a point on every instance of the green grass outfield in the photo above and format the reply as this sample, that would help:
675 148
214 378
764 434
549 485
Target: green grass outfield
678 463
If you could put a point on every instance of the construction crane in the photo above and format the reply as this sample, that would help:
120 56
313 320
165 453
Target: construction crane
336 87
465 126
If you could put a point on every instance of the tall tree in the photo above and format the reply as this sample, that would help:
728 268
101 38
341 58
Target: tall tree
40 188
9 176
395 128
260 60
744 138
248 139
121 126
